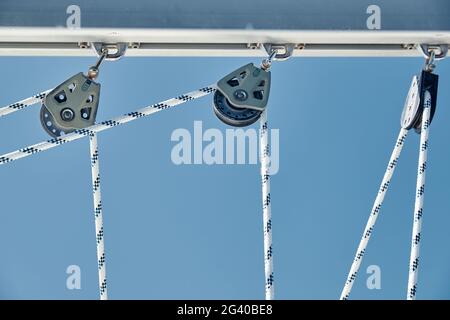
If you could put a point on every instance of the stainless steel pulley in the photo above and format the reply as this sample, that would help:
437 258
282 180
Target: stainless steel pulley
242 95
414 104
426 81
74 103
71 105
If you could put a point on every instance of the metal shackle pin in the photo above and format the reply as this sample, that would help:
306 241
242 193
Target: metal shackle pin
267 62
429 62
94 70
433 53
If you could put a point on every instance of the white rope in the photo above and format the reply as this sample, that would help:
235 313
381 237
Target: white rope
80 133
92 133
374 214
98 215
23 103
420 193
267 215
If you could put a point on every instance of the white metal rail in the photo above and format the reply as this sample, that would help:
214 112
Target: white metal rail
45 41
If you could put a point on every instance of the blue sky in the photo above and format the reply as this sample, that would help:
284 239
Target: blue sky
195 231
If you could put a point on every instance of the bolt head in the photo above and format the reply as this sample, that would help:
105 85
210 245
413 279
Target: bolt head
67 114
241 95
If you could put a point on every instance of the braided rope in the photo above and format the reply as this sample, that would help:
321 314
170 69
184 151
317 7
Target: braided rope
23 103
418 205
374 214
80 133
92 133
267 215
98 214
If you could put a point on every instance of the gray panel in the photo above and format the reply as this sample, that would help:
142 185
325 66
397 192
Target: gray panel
425 15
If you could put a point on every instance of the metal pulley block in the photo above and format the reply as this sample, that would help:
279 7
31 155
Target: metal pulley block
71 105
242 95
74 103
414 104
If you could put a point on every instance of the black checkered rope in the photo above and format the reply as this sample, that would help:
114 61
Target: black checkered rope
420 194
96 183
103 288
37 98
101 261
98 209
91 132
384 186
98 216
266 204
94 158
99 235
78 134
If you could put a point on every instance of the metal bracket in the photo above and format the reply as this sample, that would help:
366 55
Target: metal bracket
284 51
115 50
441 50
